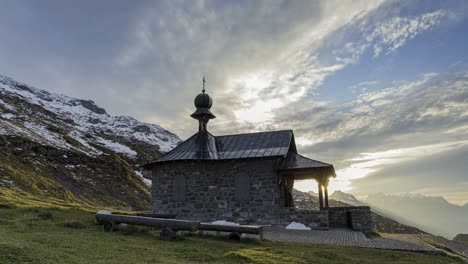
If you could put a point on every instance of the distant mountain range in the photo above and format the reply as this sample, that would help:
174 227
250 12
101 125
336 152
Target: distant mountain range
61 149
433 214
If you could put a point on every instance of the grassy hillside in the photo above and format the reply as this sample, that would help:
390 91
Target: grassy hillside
35 175
44 235
65 151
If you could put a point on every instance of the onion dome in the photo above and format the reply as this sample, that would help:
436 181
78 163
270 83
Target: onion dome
203 103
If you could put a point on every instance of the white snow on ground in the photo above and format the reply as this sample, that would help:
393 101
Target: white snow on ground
8 115
3 131
14 129
224 222
147 181
6 182
44 134
7 106
297 226
76 136
117 147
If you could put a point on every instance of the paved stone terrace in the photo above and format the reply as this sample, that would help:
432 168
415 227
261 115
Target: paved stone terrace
341 237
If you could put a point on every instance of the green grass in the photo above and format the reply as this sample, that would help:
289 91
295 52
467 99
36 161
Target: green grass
58 235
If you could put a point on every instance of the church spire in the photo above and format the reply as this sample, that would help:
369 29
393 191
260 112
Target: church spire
203 103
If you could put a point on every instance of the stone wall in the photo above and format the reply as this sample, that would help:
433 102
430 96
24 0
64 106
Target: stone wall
211 195
211 191
312 219
356 217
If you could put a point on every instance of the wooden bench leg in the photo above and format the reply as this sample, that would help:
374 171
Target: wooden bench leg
167 234
235 236
110 226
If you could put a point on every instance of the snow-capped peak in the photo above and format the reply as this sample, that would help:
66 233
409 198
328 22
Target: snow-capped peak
65 122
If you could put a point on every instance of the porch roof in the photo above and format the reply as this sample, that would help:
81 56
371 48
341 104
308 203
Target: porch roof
303 168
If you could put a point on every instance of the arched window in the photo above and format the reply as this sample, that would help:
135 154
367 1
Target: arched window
179 188
242 185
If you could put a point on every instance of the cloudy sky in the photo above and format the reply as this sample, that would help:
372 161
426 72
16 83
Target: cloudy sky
378 88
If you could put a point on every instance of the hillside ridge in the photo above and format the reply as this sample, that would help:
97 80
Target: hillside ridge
67 150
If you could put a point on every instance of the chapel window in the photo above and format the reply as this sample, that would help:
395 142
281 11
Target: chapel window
179 188
242 185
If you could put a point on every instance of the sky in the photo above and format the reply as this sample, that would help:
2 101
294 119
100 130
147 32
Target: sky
377 88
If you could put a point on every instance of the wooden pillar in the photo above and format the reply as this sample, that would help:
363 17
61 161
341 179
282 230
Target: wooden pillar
326 194
320 194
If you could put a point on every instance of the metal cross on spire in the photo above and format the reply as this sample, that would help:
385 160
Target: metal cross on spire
203 84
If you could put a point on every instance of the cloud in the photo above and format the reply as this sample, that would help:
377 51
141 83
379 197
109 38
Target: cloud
381 129
384 33
394 33
363 87
252 54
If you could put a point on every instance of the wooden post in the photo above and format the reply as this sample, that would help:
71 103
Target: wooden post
326 194
320 194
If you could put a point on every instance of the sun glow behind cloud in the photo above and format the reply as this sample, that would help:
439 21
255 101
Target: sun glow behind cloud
255 109
367 163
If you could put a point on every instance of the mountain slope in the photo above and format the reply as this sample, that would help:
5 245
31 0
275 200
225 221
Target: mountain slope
66 150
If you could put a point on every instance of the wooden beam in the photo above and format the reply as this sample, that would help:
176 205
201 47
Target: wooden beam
326 195
320 194
241 229
149 221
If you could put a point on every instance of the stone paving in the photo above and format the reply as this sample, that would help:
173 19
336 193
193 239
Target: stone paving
341 237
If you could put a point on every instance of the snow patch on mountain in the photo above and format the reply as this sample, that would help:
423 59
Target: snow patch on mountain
117 147
67 119
145 180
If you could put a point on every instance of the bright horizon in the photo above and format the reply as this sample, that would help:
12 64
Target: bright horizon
377 88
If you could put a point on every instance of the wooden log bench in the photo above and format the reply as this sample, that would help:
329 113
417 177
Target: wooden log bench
170 226
235 230
155 215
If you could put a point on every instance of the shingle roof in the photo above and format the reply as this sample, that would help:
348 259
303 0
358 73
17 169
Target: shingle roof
204 146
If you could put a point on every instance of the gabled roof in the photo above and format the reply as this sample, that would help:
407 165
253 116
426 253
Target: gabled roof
204 146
